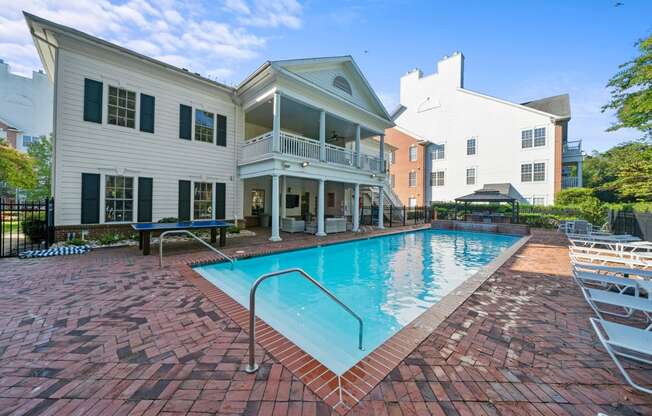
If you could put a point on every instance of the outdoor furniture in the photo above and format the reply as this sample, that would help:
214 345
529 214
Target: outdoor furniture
625 341
331 225
603 256
145 230
622 238
292 225
629 303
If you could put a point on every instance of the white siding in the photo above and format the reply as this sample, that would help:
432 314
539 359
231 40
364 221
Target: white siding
85 147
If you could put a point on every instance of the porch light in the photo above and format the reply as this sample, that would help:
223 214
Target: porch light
373 175
305 164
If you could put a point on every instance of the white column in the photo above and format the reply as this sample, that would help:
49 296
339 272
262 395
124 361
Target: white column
381 208
322 136
357 146
276 123
382 153
284 188
579 173
275 205
356 208
320 209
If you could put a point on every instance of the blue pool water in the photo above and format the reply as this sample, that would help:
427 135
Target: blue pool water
388 281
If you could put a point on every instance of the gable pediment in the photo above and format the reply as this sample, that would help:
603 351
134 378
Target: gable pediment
337 76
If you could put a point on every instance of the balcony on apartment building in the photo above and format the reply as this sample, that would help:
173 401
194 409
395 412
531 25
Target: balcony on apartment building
572 164
308 150
572 149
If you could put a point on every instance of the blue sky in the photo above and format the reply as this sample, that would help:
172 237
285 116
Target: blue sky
515 50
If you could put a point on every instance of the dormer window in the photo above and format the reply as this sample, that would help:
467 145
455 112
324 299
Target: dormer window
341 83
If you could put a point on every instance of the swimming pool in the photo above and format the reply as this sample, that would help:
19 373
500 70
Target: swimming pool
388 281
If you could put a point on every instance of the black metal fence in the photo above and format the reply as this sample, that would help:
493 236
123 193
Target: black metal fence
396 216
633 223
25 226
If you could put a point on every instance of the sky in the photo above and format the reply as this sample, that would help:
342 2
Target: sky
514 50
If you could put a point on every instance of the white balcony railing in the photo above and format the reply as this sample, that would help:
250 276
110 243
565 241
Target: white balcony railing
306 149
569 182
573 148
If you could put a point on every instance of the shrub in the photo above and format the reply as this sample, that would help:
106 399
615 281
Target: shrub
110 238
168 220
35 229
539 220
574 196
234 230
76 242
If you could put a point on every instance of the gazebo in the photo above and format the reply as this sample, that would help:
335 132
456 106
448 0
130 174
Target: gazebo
497 193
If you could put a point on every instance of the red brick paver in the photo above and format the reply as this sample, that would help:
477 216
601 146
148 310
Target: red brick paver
112 333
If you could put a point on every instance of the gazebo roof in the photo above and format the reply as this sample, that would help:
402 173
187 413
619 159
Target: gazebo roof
499 192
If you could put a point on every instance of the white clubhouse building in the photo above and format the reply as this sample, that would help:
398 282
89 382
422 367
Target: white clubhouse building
138 140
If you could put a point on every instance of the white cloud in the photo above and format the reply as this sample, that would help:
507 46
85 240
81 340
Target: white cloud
191 34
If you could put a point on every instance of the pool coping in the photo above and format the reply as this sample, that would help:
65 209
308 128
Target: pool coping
345 391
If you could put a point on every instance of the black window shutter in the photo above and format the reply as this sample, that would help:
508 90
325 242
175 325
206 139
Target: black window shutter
146 113
144 199
184 200
185 122
90 198
92 100
221 130
220 201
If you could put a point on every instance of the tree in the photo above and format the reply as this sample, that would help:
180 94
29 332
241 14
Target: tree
631 92
16 168
41 153
622 173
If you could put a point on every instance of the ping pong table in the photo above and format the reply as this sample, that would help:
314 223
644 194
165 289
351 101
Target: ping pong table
145 230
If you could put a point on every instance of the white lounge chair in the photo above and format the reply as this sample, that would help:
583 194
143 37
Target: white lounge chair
628 303
625 341
601 238
603 257
607 281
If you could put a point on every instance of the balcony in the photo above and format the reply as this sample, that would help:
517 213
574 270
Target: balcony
572 149
307 150
569 182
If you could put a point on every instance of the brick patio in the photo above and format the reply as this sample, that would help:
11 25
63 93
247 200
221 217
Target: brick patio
112 333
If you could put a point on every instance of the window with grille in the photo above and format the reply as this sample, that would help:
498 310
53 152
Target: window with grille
470 176
533 137
204 126
437 178
118 198
203 201
539 137
537 200
526 172
439 152
539 174
526 139
412 179
122 107
413 153
470 147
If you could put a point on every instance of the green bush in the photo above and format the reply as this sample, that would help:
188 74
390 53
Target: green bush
35 229
234 230
168 220
110 238
76 242
574 196
539 220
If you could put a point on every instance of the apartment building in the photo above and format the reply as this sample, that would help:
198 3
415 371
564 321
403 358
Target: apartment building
137 140
473 139
407 175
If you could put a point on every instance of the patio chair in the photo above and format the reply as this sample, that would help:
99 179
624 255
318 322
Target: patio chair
629 303
609 281
601 238
645 275
625 341
605 257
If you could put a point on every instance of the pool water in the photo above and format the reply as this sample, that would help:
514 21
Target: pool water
388 281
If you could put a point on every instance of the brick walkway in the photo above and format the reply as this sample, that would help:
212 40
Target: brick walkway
111 333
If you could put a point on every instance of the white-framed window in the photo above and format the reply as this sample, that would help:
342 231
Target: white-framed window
539 172
27 140
203 201
535 137
526 139
412 202
3 134
412 179
121 107
533 172
204 126
471 146
539 136
538 200
470 176
439 152
413 153
526 172
392 157
392 181
118 198
437 178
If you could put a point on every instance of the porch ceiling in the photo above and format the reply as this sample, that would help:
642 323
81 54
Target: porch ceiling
304 120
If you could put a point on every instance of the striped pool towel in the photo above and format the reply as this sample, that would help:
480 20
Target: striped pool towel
51 252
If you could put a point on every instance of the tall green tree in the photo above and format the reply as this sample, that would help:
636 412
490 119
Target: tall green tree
41 153
631 92
16 168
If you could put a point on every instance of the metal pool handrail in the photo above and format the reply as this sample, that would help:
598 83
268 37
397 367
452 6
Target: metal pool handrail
163 234
252 367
